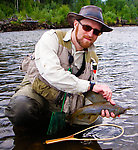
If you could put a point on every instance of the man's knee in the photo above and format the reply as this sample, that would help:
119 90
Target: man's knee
24 111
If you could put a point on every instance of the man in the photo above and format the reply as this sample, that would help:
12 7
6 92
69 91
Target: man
60 71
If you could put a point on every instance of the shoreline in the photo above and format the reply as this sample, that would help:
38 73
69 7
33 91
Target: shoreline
34 25
27 26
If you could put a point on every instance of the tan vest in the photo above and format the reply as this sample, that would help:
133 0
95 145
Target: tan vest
50 93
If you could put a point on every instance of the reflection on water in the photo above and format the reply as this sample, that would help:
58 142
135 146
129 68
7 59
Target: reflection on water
118 61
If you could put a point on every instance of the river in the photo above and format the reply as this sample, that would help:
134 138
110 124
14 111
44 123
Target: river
118 67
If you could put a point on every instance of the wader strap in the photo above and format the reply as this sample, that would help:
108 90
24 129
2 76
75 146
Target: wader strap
82 67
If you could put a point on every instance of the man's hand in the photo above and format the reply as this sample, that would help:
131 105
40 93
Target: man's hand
107 93
105 113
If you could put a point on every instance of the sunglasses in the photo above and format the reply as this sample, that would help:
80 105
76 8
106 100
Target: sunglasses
88 28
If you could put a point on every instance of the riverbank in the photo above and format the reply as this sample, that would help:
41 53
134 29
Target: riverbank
29 24
26 26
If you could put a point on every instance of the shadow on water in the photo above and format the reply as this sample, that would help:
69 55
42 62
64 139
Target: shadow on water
118 61
34 139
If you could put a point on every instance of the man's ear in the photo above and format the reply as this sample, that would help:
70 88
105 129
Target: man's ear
75 23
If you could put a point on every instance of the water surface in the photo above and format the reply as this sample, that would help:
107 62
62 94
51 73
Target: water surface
118 61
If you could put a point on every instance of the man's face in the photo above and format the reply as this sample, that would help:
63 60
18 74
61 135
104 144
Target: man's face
86 38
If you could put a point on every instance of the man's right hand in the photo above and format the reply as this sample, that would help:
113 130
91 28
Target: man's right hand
105 91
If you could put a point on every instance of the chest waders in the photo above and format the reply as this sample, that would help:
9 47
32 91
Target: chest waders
57 121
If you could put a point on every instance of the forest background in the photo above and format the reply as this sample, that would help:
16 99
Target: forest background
54 12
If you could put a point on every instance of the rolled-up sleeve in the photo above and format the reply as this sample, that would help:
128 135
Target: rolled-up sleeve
48 64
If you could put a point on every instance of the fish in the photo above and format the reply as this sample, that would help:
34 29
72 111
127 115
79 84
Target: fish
96 108
94 97
88 114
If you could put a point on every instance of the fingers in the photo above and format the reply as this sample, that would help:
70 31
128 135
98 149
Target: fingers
112 115
112 102
105 91
107 95
105 113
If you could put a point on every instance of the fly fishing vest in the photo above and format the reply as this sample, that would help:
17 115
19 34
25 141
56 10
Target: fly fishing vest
50 93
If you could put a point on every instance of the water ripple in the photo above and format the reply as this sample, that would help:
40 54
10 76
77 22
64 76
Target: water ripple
118 61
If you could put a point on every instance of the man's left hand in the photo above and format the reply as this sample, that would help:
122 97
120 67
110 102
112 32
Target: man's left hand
105 113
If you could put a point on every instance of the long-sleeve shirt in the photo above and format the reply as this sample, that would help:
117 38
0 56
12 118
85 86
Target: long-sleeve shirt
48 64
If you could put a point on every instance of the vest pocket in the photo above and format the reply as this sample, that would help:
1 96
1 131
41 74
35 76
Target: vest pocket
44 90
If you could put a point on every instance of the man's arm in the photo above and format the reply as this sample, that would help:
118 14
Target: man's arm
50 69
48 64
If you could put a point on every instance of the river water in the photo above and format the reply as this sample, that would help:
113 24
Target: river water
118 61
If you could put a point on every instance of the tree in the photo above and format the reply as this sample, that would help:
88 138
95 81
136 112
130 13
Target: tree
77 5
126 13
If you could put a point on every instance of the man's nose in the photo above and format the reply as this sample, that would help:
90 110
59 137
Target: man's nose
90 33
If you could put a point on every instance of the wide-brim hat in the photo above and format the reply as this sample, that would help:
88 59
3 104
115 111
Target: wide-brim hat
89 12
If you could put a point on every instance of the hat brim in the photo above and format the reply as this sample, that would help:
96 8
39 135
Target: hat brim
74 16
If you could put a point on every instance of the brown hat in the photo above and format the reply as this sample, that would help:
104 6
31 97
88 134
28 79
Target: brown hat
89 12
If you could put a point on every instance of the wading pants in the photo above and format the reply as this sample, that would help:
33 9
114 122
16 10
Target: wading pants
27 108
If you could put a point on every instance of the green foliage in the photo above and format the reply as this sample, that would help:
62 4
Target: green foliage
60 15
76 5
26 5
52 14
125 9
126 13
2 14
41 15
133 11
109 17
20 17
55 11
6 9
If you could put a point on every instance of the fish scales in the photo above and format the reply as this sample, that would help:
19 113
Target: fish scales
89 113
96 108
